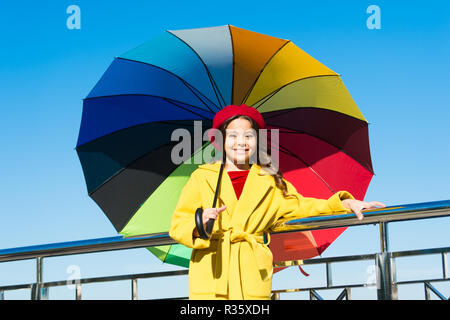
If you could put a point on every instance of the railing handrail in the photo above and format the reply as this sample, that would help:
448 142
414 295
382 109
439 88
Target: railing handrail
389 214
412 211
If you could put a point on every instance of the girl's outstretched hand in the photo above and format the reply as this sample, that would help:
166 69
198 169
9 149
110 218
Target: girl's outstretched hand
356 206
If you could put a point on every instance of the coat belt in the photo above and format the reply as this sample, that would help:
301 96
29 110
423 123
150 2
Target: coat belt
230 236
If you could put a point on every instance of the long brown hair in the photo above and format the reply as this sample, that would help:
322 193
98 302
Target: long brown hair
263 155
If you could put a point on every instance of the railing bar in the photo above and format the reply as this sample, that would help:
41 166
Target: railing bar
435 291
120 277
97 279
184 272
329 260
121 244
366 257
16 287
313 294
400 254
342 294
420 281
175 298
362 285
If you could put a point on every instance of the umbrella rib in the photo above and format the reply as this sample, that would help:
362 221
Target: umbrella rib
155 96
169 122
125 167
232 73
213 83
307 165
140 157
260 71
137 159
193 92
181 107
183 81
167 253
271 94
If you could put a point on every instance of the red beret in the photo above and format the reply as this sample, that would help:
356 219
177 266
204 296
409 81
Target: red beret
232 110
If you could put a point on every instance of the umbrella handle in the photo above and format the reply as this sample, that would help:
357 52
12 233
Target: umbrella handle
206 234
199 224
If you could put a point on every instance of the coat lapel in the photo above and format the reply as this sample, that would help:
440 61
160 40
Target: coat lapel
254 190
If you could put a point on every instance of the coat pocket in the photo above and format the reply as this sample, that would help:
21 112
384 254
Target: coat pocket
201 271
256 283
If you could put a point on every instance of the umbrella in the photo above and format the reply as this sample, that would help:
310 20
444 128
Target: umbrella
124 144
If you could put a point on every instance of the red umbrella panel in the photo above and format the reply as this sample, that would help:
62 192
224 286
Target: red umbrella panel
329 154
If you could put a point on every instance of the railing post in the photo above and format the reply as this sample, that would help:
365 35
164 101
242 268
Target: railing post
444 265
384 237
37 291
386 275
427 291
275 296
78 291
133 289
329 274
348 293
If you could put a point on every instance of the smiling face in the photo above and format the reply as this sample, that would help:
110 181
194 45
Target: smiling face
240 141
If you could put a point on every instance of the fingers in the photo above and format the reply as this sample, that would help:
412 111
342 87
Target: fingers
357 206
209 215
373 204
212 213
365 205
357 211
378 203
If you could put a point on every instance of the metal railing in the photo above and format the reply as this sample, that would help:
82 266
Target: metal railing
386 282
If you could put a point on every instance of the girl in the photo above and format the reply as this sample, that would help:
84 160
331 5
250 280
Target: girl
236 262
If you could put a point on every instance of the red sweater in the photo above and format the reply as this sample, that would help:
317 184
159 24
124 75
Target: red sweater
238 179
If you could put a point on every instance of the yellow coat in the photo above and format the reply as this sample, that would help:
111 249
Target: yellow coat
235 263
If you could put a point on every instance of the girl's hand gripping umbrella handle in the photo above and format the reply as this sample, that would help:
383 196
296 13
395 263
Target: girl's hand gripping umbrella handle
206 234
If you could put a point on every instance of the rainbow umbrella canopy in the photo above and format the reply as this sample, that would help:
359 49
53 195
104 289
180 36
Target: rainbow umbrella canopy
125 139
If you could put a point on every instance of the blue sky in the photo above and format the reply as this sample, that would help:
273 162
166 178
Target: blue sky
397 75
